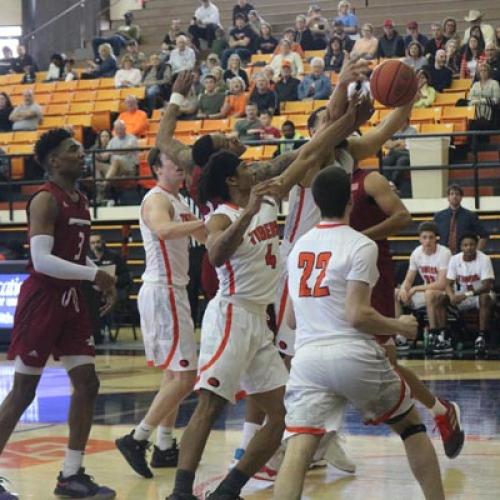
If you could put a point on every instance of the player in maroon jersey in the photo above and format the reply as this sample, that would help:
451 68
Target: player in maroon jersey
51 317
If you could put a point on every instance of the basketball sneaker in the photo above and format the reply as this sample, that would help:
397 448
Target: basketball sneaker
401 343
337 457
134 452
269 471
81 485
450 429
443 345
4 493
178 496
165 458
220 496
480 344
431 342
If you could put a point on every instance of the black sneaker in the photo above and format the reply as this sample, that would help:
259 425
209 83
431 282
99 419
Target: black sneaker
480 345
177 496
165 458
81 485
4 493
134 453
431 342
402 343
221 496
443 345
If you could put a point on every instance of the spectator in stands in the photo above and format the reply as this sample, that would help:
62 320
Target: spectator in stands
28 115
269 74
475 19
493 60
317 23
255 22
127 76
211 62
289 133
453 57
123 163
55 71
29 74
287 87
135 120
234 69
125 33
6 62
205 21
413 35
242 7
22 61
471 57
220 44
398 155
441 76
455 221
450 30
263 97
182 57
485 96
415 56
429 260
497 38
390 44
303 34
69 70
316 85
5 111
170 38
139 59
339 32
476 31
350 20
267 132
241 39
367 45
210 102
286 54
106 68
220 84
427 92
235 101
157 79
248 129
289 34
470 284
334 57
102 163
265 42
437 42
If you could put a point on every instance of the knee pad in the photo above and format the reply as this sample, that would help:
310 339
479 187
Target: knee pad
413 429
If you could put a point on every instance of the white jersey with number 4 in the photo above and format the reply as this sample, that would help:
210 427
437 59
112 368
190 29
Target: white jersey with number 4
469 274
428 266
319 267
252 272
166 260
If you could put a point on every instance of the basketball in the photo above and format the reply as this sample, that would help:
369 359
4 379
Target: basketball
393 83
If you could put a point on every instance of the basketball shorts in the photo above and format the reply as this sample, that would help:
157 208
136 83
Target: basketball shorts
237 351
418 300
167 327
49 320
382 299
471 303
285 337
324 377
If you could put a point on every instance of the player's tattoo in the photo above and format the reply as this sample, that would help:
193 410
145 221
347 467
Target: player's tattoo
268 169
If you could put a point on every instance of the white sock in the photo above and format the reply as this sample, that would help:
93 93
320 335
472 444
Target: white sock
164 438
249 431
143 431
73 460
438 408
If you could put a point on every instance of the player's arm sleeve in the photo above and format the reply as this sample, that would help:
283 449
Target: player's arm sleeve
364 264
44 262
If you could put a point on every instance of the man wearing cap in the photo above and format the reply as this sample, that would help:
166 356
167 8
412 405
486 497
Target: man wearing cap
349 19
414 35
391 44
287 86
436 43
475 19
338 30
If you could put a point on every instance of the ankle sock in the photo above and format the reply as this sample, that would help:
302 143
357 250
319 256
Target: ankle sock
438 408
143 431
73 460
164 437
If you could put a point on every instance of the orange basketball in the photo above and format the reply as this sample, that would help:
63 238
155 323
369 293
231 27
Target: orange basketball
393 83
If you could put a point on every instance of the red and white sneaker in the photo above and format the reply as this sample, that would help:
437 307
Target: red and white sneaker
266 474
269 471
450 429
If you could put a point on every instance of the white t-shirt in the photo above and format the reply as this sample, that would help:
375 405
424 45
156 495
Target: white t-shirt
208 15
428 266
252 272
319 267
167 261
468 275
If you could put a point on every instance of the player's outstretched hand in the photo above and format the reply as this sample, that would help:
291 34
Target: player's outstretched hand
276 187
409 326
183 83
104 281
352 69
364 110
257 197
109 301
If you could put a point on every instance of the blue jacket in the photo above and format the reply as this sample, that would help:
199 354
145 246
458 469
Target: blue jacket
322 87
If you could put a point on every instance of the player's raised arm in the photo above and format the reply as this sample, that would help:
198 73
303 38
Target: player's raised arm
268 169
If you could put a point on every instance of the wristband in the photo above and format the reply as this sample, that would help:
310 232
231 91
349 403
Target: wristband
177 99
470 293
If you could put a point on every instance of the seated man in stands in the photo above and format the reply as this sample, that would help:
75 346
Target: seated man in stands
210 102
391 44
263 97
125 33
441 76
493 59
414 35
205 21
22 61
288 131
338 31
350 20
241 39
470 281
248 128
170 38
123 163
287 88
268 132
430 261
139 59
475 18
136 120
436 43
182 57
28 115
316 85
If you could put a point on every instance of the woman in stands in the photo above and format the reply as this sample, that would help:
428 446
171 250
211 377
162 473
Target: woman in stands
471 56
234 69
5 111
56 68
127 76
450 30
427 92
218 74
236 100
453 56
102 162
265 42
415 56
367 45
334 57
287 54
107 66
485 95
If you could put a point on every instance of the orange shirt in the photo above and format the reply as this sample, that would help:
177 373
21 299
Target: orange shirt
136 122
237 104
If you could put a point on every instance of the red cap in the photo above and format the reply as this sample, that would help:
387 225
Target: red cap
388 23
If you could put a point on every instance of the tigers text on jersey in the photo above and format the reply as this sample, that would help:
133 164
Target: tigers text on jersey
469 274
166 259
252 272
428 266
319 267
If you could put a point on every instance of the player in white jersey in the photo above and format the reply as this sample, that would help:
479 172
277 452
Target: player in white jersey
430 261
469 284
338 360
166 223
